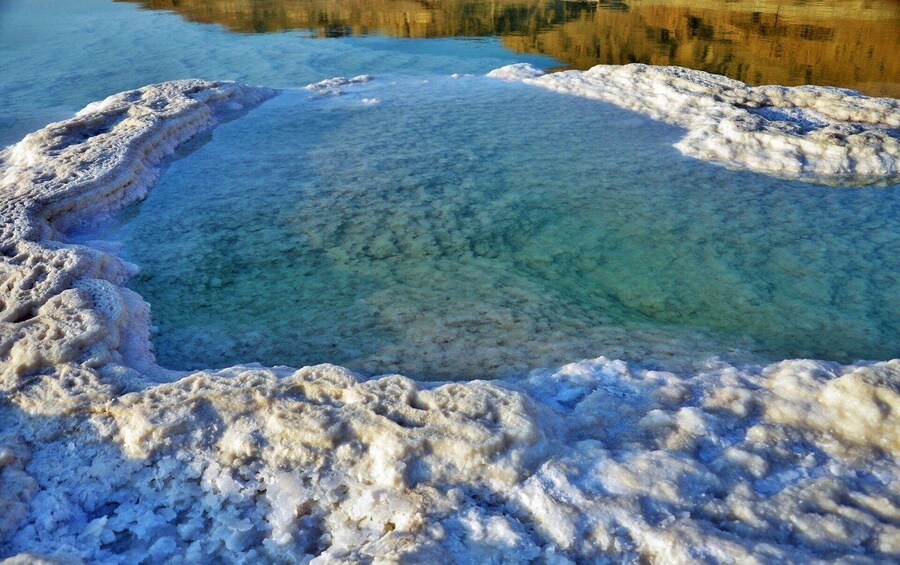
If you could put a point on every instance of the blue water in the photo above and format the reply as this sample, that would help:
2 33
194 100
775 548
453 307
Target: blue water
474 228
56 56
456 228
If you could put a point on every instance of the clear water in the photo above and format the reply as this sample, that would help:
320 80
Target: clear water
790 42
56 56
457 228
473 228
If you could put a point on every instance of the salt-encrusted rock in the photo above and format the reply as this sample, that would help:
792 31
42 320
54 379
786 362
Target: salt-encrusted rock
595 459
812 133
335 86
105 457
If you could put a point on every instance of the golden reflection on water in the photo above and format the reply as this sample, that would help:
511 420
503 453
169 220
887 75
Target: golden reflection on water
849 43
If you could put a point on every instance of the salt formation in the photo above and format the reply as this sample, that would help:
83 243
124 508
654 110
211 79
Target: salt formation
106 457
335 86
812 133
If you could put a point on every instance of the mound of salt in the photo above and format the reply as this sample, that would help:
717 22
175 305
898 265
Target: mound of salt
812 133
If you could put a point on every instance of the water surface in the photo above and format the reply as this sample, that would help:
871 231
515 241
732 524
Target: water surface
474 228
853 44
56 57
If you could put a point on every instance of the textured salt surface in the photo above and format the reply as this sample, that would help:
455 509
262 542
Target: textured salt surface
102 459
819 134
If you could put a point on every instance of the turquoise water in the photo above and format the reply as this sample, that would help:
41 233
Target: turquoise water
474 228
456 228
56 56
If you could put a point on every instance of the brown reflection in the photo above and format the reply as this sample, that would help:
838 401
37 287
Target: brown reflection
853 43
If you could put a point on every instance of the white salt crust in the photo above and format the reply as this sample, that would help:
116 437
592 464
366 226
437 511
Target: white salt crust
818 134
335 86
105 457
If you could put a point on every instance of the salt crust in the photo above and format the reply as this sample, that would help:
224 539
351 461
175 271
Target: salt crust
335 86
106 457
812 133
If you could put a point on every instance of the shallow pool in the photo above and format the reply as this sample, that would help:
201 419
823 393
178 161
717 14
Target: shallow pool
474 228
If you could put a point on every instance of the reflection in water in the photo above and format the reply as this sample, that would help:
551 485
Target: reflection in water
854 43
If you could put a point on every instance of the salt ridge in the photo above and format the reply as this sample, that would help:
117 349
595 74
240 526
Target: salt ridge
106 457
810 133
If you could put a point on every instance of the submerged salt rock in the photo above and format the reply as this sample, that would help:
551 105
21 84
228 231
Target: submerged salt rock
335 86
817 134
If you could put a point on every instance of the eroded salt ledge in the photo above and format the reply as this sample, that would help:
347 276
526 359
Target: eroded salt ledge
105 457
811 133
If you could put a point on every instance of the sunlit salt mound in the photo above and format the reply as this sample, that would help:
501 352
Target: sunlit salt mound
791 464
52 176
813 133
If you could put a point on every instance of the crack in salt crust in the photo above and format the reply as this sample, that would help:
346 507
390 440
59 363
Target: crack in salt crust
812 133
106 457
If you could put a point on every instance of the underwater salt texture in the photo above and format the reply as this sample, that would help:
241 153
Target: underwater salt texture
409 226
